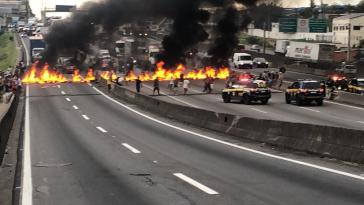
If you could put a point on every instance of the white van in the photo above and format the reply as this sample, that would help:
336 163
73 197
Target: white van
242 60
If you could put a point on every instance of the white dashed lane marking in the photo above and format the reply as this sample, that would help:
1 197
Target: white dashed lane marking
132 149
101 129
195 183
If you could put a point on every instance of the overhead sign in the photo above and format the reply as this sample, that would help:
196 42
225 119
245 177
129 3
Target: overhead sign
64 8
288 25
303 25
318 25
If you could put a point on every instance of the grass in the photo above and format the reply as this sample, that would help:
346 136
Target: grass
8 53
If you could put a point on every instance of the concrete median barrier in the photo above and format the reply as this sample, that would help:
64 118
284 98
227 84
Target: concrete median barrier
339 143
350 98
6 122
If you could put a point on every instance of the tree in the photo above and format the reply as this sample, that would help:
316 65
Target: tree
266 13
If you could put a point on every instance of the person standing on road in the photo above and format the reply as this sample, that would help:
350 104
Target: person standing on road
156 86
138 84
109 81
186 84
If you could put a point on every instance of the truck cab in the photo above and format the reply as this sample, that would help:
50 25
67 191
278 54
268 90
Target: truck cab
242 60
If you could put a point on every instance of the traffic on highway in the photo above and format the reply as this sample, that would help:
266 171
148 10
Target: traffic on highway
185 102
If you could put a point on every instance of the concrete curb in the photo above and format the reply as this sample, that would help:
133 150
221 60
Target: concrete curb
340 143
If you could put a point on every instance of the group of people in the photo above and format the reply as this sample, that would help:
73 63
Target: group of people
173 85
10 80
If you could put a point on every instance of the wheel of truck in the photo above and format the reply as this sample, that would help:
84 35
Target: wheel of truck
246 100
264 102
288 99
226 97
320 102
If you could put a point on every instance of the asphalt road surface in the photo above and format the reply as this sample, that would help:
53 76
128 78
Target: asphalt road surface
330 114
82 147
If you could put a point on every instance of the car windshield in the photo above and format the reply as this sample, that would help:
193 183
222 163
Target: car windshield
311 85
242 58
262 60
361 82
257 85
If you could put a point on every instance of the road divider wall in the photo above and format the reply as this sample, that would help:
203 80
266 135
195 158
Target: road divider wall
340 143
6 124
350 98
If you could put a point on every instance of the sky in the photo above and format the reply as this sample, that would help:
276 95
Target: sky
37 5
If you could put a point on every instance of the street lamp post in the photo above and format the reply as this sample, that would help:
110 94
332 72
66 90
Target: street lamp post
349 43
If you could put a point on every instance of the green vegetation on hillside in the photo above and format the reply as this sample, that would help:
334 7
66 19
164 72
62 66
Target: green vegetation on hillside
7 50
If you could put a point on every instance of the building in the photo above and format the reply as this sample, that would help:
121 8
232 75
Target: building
348 26
276 34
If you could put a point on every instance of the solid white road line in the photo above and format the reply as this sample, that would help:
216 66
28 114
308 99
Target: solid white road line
75 107
69 100
312 110
344 105
261 111
362 122
101 129
63 93
27 187
132 149
85 117
174 98
326 169
196 184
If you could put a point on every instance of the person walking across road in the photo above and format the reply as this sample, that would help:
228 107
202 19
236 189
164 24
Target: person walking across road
186 84
109 81
156 86
138 84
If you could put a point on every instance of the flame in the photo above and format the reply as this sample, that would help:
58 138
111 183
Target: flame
76 77
44 75
90 75
106 75
168 74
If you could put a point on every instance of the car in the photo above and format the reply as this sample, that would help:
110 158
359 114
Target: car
255 48
260 63
356 85
305 91
247 91
242 60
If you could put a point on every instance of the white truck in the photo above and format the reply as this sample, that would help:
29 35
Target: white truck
281 46
311 52
242 60
153 51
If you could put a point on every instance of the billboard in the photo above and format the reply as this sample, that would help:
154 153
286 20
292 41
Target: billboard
293 25
64 8
288 25
318 25
303 25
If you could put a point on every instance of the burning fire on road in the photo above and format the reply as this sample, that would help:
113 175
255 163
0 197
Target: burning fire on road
44 75
168 74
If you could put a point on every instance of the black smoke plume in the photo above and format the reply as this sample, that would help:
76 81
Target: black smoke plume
78 31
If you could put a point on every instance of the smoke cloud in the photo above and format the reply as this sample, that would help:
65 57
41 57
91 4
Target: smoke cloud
78 31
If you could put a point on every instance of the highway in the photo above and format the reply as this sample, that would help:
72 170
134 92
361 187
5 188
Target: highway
82 147
330 114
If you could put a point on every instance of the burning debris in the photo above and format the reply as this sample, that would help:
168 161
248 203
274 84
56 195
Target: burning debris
44 75
168 74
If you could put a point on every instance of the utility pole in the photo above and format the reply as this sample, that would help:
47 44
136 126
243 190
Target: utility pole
349 43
